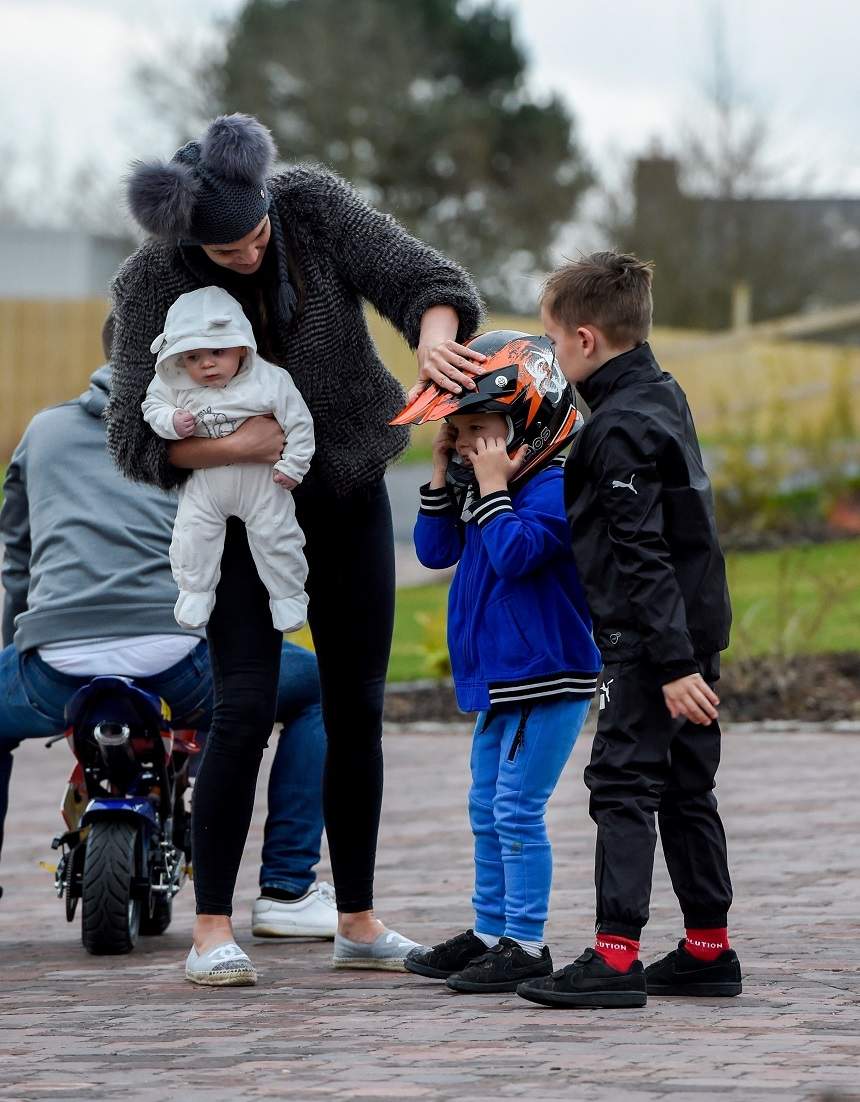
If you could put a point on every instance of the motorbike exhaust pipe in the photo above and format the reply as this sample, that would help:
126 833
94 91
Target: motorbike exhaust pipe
112 734
112 739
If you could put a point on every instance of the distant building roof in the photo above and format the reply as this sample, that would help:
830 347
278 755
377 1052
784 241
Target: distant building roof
58 264
796 254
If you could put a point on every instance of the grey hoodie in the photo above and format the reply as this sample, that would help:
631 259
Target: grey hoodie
86 551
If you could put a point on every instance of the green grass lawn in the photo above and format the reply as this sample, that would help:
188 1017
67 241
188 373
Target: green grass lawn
800 600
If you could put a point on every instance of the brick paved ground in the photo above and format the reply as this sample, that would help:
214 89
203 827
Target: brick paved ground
76 1027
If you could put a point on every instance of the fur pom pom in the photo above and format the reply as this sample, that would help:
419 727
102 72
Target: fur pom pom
238 147
161 197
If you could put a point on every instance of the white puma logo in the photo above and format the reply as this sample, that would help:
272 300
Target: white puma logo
604 694
616 485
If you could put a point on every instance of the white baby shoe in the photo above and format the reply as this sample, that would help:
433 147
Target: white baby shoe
193 610
289 613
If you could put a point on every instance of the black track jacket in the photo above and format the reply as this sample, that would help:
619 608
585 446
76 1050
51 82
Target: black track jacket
641 514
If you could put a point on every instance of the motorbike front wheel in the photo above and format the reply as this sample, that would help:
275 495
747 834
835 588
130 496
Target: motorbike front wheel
110 917
159 920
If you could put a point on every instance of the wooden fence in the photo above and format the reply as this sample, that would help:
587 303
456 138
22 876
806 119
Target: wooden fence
49 349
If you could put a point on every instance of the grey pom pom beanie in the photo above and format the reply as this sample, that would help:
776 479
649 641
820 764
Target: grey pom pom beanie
213 191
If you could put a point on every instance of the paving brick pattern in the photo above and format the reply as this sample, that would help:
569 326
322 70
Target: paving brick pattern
79 1027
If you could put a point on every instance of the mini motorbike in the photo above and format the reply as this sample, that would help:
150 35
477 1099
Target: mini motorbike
126 849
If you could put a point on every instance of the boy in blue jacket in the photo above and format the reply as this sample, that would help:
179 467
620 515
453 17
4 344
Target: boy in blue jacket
519 636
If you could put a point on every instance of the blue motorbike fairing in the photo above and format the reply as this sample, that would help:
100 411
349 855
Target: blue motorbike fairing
116 700
107 807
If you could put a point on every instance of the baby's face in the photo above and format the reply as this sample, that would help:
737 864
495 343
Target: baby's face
212 366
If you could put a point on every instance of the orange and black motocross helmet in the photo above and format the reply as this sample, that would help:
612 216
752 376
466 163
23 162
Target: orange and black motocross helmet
521 380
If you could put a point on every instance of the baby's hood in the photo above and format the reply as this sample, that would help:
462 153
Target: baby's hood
206 318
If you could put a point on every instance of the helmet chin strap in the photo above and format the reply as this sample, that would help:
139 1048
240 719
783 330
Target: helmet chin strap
510 436
460 474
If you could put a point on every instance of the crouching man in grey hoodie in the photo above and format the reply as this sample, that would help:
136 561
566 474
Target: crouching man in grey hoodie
88 591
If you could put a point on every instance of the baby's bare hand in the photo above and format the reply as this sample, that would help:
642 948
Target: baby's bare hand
283 480
184 422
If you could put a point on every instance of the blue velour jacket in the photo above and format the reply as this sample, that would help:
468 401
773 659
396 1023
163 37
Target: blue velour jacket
519 630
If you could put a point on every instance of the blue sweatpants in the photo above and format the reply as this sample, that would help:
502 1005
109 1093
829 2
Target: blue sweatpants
517 759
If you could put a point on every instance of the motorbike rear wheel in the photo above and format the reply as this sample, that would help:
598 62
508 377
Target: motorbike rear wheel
110 914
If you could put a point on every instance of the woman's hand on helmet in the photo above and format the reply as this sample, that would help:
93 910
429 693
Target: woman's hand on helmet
492 465
259 440
448 364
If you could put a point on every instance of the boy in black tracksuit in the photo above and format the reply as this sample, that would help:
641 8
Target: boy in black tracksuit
645 543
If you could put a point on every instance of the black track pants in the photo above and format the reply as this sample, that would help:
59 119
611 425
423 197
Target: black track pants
350 553
644 765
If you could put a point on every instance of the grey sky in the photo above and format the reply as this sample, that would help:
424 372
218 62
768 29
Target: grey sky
629 69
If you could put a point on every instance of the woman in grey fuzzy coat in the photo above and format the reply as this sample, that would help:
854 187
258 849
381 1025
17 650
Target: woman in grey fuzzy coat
301 251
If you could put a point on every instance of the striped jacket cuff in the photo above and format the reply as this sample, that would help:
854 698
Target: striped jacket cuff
436 503
492 506
553 686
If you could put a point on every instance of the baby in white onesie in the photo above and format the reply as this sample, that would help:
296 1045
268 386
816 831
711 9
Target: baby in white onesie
208 381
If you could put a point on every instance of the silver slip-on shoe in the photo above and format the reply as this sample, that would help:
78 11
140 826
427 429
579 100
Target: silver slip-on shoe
386 954
224 966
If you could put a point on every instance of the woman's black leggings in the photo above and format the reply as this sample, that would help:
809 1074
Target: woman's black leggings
350 553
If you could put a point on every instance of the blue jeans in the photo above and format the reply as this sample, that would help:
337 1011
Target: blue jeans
517 759
291 841
33 698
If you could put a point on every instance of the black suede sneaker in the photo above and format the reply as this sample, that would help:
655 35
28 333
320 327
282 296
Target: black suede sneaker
589 982
501 968
680 973
446 958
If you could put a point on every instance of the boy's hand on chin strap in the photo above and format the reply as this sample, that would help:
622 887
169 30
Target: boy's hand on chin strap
443 445
493 468
693 698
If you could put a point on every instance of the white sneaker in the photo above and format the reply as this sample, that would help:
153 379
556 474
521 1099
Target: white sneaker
314 915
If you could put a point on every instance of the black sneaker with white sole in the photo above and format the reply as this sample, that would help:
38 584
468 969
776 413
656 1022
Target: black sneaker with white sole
443 960
680 973
501 968
589 982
